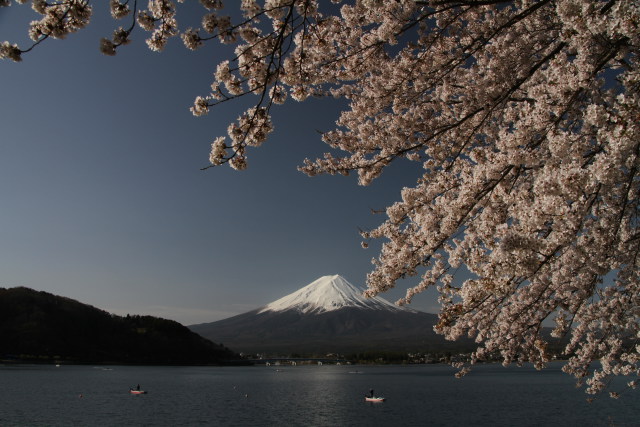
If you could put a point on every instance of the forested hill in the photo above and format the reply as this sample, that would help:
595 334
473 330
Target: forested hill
40 327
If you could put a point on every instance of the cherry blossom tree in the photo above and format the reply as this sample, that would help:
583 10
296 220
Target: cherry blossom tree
524 116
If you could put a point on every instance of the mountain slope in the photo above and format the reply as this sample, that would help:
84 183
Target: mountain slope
38 326
328 315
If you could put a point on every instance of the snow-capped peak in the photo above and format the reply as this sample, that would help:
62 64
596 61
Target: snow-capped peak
329 293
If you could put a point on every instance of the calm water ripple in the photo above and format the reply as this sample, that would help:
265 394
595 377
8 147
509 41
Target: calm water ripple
302 396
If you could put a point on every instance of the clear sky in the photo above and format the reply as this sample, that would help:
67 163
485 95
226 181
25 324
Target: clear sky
103 199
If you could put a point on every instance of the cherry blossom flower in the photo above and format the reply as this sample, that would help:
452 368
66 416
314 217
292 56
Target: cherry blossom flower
522 117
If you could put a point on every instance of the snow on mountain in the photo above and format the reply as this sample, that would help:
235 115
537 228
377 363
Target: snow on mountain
329 293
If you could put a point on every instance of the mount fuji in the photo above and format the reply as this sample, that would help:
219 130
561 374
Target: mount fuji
328 315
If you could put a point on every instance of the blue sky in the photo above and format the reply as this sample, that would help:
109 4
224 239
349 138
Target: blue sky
103 199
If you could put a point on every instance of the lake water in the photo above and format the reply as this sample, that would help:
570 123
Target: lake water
328 395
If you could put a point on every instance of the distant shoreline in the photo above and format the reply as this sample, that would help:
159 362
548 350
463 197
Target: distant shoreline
28 361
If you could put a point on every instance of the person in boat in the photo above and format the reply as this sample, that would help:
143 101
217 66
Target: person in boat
371 393
138 387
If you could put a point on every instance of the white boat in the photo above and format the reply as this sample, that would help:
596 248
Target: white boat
374 399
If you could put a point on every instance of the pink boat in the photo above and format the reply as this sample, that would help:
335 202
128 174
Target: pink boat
132 391
374 399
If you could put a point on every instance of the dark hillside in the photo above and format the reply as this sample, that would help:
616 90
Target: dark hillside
38 326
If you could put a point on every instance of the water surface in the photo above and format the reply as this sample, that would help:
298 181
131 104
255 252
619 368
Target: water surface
418 395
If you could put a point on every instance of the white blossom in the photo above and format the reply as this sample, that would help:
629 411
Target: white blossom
191 39
212 4
238 163
39 6
200 106
10 51
107 47
218 151
278 94
146 21
119 10
121 36
210 22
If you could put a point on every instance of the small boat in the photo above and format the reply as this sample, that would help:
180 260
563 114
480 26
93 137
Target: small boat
374 399
132 391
